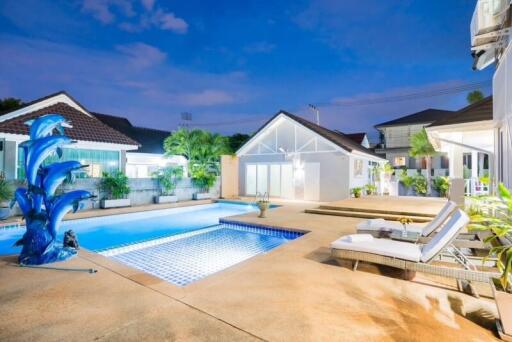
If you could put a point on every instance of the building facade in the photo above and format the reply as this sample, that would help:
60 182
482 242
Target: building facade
292 158
97 145
396 137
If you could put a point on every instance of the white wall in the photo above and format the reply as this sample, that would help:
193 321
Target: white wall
502 115
358 180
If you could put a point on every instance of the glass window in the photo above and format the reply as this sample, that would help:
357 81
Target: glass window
98 161
399 161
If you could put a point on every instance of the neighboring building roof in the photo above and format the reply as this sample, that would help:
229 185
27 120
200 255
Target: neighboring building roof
85 126
426 116
151 140
338 138
478 111
356 137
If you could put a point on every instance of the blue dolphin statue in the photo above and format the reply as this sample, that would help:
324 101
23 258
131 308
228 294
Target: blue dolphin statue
44 125
21 196
64 203
39 150
55 174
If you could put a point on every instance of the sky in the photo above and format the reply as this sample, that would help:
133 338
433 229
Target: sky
233 64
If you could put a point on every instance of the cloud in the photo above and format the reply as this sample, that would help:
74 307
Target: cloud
148 16
136 80
259 47
142 55
103 10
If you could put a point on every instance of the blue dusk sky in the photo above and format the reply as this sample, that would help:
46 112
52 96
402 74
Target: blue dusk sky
233 64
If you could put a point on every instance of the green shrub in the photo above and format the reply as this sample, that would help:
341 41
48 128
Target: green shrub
420 185
442 185
115 184
356 191
6 189
370 189
168 177
406 180
202 177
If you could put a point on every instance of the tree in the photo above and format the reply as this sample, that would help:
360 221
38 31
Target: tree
198 146
10 103
237 140
421 147
475 96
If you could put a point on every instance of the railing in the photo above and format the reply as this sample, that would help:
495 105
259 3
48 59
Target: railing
474 187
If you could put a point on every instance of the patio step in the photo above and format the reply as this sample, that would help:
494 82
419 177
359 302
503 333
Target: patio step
367 215
376 211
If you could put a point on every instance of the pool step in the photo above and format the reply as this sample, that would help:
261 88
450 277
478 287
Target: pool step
367 215
376 211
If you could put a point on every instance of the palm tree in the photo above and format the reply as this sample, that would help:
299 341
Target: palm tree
421 147
475 96
198 146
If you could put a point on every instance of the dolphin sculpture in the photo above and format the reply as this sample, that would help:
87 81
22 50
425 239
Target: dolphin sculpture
62 204
44 125
55 174
21 196
39 150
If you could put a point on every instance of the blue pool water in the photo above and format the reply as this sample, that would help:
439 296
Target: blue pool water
101 233
179 245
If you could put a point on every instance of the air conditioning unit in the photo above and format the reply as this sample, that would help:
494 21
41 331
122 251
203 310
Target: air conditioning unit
489 16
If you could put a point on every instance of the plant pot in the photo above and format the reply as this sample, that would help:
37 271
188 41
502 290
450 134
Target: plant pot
5 212
357 195
263 206
504 303
166 199
202 196
115 203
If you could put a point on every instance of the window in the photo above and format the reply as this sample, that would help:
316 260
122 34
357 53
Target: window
399 161
98 161
358 168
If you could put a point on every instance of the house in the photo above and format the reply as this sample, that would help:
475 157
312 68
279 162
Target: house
467 137
292 158
360 138
396 136
150 155
98 145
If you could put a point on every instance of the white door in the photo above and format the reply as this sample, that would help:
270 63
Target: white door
262 179
275 180
312 185
250 180
287 188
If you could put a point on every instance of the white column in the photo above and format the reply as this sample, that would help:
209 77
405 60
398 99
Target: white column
456 164
474 164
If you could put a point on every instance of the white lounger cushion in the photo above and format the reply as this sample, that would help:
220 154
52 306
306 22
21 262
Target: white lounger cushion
445 236
425 229
383 225
386 247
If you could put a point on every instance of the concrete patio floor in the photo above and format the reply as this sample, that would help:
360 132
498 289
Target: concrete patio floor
294 292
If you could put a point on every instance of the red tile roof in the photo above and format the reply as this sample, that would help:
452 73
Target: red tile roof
85 127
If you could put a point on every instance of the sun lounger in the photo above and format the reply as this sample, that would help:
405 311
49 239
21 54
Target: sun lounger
379 227
413 257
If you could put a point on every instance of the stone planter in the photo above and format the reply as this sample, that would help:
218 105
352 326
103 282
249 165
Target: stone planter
504 303
5 212
115 203
263 206
166 199
202 196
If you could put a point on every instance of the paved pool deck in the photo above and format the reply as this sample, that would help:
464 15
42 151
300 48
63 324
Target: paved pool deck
294 292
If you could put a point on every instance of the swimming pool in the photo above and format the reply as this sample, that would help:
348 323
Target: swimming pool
179 245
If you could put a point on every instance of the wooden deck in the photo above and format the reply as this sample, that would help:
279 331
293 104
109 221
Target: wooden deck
419 209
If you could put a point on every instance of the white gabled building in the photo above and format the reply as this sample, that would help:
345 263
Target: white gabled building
292 158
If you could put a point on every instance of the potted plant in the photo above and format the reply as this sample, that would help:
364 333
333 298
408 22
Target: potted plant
407 182
115 185
371 189
442 185
167 178
356 192
6 195
203 179
498 221
263 203
420 185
